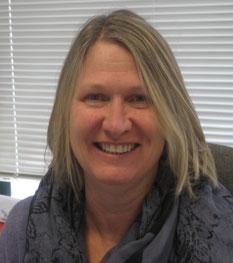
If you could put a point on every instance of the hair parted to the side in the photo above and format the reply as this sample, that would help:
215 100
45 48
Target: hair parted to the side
188 153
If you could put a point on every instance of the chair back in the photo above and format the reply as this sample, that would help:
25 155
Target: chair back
223 156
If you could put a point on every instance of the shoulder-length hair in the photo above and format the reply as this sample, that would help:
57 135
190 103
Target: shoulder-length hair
188 154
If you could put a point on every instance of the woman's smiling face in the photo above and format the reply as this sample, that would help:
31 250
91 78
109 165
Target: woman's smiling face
114 132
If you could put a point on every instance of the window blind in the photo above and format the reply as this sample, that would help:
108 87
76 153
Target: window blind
35 37
7 131
201 36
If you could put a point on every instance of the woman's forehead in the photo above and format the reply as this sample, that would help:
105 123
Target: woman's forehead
104 54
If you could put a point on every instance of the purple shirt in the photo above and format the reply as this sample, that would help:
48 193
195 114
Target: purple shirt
13 236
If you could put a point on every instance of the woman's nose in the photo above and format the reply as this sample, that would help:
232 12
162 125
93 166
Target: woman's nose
116 121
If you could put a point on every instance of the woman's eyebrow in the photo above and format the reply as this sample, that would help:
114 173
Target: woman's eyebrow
138 89
103 88
92 87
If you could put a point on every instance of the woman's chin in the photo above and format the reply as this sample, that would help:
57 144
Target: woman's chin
113 179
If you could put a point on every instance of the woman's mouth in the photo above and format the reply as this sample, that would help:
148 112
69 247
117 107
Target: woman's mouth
116 149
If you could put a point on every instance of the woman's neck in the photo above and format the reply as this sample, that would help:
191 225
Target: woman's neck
110 210
108 216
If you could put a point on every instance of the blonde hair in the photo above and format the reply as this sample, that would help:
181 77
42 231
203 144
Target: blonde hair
188 154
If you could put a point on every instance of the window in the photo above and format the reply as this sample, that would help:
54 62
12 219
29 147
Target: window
35 37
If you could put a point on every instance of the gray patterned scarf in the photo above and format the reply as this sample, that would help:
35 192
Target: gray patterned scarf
167 230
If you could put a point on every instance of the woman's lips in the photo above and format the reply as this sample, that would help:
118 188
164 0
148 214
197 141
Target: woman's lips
116 148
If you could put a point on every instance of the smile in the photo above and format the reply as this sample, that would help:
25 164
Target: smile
116 149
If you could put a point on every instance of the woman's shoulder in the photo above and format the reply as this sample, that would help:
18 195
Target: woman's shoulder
205 224
210 202
13 236
18 216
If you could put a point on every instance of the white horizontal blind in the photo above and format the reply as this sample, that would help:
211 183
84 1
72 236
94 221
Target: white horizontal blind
7 132
36 35
201 36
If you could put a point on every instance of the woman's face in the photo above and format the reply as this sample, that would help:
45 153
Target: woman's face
114 132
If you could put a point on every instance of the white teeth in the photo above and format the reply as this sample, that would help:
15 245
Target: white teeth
117 149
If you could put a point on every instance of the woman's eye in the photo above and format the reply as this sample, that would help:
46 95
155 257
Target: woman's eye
96 98
138 100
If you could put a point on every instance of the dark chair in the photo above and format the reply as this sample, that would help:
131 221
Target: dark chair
223 156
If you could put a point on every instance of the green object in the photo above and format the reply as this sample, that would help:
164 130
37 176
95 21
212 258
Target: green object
5 188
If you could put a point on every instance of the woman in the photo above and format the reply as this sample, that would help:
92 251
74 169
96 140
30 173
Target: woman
132 178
